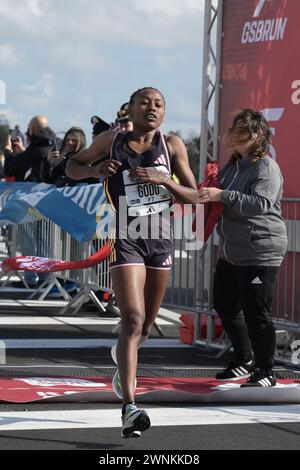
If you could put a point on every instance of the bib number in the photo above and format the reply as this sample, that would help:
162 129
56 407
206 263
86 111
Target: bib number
145 198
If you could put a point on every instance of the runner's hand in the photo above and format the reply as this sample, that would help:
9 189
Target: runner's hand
148 175
107 168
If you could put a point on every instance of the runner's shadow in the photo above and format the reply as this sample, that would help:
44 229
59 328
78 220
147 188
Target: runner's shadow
77 444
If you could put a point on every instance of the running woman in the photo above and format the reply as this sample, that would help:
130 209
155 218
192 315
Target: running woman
139 172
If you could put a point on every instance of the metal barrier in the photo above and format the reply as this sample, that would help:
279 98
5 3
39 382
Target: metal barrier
183 286
286 304
190 284
45 239
286 308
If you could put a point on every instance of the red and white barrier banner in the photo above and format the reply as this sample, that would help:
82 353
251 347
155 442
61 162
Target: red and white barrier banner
50 265
260 69
149 389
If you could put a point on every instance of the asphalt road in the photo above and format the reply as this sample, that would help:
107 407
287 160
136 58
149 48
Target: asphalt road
179 427
35 429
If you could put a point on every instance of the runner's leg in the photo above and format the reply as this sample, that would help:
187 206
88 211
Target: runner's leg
155 287
128 284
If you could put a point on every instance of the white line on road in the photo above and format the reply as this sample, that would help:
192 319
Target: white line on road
36 321
48 343
32 303
163 416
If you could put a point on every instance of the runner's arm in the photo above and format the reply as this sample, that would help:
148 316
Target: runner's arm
186 191
79 166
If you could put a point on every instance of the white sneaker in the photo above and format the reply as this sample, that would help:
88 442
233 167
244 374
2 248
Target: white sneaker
116 385
113 353
134 421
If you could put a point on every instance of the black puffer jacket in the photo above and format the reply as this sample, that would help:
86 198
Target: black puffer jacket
19 165
57 175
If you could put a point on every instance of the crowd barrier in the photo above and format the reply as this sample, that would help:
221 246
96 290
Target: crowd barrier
45 239
286 304
191 279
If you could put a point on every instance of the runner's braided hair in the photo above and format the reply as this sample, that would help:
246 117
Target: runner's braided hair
246 123
138 92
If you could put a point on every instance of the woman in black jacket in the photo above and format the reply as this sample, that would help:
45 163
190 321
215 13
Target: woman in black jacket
53 168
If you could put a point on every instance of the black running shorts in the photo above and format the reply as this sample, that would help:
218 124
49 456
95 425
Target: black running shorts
155 254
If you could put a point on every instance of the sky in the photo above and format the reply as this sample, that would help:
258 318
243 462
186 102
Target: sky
72 59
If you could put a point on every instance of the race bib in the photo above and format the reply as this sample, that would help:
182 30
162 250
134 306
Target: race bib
146 198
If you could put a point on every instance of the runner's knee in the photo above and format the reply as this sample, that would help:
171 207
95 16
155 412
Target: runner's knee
132 325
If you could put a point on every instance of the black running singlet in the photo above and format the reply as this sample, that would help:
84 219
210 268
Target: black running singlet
142 199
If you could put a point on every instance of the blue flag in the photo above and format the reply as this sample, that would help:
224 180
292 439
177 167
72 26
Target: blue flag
82 211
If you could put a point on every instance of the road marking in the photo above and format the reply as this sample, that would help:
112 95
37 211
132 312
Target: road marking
162 416
51 320
49 343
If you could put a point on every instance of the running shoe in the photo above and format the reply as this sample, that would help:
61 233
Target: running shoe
261 378
113 353
116 381
236 371
116 385
134 421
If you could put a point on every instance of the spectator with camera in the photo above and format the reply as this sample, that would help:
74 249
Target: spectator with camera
53 167
24 164
20 134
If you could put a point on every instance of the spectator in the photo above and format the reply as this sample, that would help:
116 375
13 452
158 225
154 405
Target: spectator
21 135
2 176
253 243
24 164
123 119
53 168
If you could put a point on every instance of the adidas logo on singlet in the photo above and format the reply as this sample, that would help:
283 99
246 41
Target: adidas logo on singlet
161 160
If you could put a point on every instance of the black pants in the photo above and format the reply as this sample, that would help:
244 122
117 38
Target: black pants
243 300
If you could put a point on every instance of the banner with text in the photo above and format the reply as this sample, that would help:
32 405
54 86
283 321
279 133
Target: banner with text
82 211
260 70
